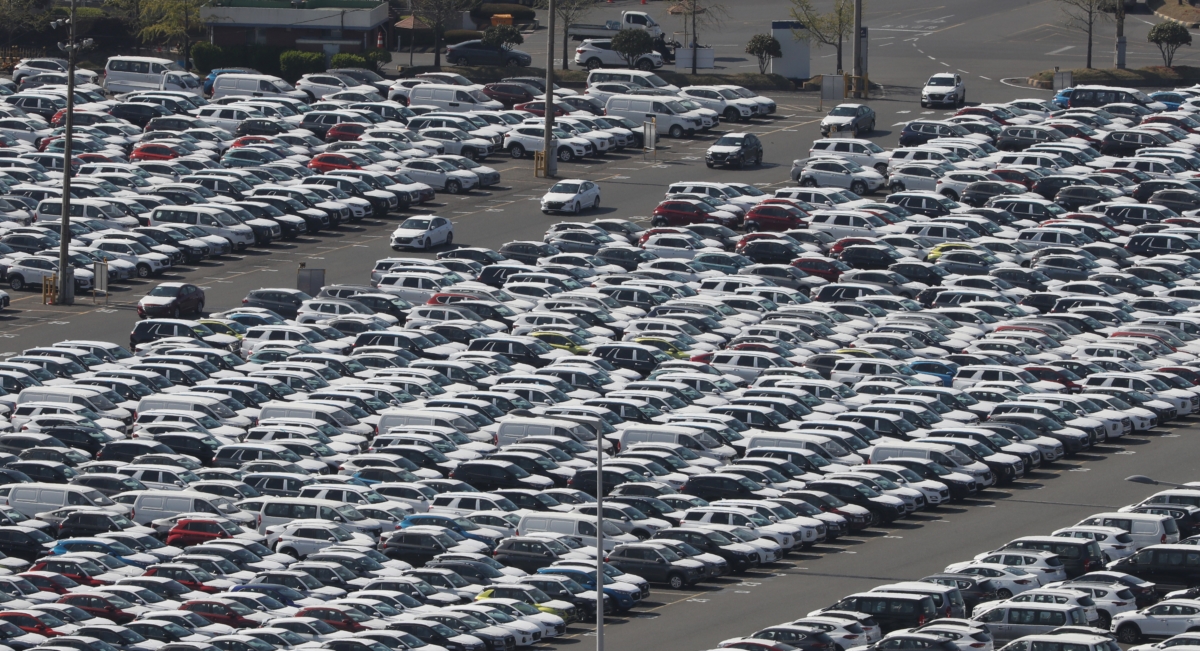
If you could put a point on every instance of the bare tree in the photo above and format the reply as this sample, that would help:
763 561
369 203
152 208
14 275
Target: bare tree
569 11
1085 15
698 14
440 15
830 29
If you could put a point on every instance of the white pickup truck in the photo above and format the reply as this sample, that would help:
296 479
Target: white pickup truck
629 20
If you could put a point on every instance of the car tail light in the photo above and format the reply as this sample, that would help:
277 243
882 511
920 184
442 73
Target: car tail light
1120 603
921 620
977 645
1118 546
1163 539
852 636
1022 581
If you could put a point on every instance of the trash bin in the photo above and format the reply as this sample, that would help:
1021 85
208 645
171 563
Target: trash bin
502 19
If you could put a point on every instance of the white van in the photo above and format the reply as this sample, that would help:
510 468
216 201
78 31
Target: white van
448 97
577 525
126 74
282 510
694 439
629 76
947 455
78 396
154 504
324 412
390 418
209 405
832 450
50 210
254 86
33 498
1145 528
668 115
213 221
513 430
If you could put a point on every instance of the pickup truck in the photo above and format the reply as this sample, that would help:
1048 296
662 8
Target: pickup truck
629 20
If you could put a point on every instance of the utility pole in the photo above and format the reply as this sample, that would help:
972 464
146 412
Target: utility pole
695 40
66 275
548 136
856 51
1120 17
600 543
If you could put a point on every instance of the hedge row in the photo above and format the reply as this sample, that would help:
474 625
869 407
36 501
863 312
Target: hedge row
289 64
490 74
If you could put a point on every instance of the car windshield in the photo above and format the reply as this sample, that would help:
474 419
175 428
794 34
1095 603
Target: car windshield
941 81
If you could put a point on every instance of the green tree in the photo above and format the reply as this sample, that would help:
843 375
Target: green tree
173 22
1169 37
764 47
632 43
567 12
440 15
505 36
20 18
830 29
130 13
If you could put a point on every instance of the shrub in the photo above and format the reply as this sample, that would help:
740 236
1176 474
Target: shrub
452 36
764 47
1169 36
294 64
347 60
376 58
489 9
505 36
206 57
632 43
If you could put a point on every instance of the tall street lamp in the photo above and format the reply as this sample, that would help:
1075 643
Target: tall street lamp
66 275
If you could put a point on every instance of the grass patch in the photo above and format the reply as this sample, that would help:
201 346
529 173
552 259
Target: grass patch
1152 76
1184 13
491 74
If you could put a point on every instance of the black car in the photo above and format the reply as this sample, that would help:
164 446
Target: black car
1127 143
626 258
1019 138
859 118
529 554
919 132
975 589
869 256
528 252
1077 196
89 523
28 243
260 127
1179 200
487 475
29 543
139 113
1143 191
44 471
771 251
477 53
656 564
736 149
713 542
978 193
1030 279
1048 186
129 450
282 301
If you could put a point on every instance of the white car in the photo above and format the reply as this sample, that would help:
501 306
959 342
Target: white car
840 173
528 138
1009 580
571 195
944 89
1163 619
440 174
148 262
595 53
459 142
423 233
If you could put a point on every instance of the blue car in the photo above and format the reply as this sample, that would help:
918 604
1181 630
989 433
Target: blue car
943 370
113 548
460 526
1063 96
624 595
1172 99
212 76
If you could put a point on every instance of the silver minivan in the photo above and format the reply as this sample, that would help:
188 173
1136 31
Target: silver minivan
1145 528
1009 621
577 525
251 85
126 74
694 439
33 498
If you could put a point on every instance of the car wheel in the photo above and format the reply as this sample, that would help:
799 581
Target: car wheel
641 534
645 64
676 581
657 222
449 238
951 195
516 150
468 152
859 188
897 187
459 61
176 313
427 243
751 227
963 100
854 131
592 63
1129 634
1105 620
565 155
16 283
576 210
200 308
143 271
596 204
758 159
453 186
731 114
1003 593
808 183
676 131
881 168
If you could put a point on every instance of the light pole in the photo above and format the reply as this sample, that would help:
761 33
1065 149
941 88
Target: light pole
66 275
856 50
1142 479
600 543
550 155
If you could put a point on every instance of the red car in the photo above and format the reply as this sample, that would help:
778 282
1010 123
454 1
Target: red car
81 571
190 576
1186 123
97 158
346 131
338 617
322 163
802 206
841 244
774 217
825 268
30 622
680 212
50 582
1076 131
1057 375
100 605
510 94
1188 374
538 108
1024 178
445 298
222 611
154 151
193 531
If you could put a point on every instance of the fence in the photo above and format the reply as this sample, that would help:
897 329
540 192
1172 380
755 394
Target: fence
10 56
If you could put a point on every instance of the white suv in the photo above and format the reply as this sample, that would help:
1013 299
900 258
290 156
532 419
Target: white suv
944 89
595 53
861 151
527 138
729 104
839 173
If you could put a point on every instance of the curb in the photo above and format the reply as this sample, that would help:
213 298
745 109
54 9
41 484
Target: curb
1037 83
1193 25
